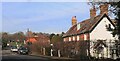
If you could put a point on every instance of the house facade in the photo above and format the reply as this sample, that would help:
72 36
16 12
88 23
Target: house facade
96 30
33 37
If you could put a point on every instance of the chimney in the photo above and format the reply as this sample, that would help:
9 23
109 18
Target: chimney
74 20
92 12
104 9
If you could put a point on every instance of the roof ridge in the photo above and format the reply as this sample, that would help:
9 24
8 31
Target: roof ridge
85 25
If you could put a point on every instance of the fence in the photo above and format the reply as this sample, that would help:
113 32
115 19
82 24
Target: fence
105 49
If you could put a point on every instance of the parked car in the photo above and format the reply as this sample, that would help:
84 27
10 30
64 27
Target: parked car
14 49
23 50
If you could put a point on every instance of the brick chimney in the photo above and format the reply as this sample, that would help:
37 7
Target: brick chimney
92 12
74 20
104 9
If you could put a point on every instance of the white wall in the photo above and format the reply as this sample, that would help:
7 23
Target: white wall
100 31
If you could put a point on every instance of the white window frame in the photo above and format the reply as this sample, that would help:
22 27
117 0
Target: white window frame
69 38
64 39
78 26
78 38
85 37
73 38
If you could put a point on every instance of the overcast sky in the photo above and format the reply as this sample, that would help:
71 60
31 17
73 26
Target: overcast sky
48 17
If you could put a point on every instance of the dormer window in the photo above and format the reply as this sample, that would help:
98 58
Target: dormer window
78 26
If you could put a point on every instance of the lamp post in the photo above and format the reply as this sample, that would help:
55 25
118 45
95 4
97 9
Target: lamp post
51 50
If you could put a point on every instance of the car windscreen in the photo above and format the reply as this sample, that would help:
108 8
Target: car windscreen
14 47
23 48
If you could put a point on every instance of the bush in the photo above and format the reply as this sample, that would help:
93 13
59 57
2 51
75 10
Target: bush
37 47
48 50
4 43
67 49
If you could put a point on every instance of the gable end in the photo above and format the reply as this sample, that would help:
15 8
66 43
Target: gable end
100 20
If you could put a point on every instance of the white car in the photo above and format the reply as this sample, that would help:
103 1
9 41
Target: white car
14 49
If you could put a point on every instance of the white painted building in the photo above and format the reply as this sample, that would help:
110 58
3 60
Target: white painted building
96 29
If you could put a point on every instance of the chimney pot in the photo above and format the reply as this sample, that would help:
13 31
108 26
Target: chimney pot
74 20
92 12
104 9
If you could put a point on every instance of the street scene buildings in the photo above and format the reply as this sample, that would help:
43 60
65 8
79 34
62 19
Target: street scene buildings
95 30
89 39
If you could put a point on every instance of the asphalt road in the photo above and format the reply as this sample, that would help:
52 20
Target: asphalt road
8 56
22 58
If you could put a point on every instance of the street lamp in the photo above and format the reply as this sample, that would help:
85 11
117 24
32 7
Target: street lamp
51 50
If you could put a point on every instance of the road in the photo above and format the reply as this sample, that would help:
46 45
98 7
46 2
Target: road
22 58
8 56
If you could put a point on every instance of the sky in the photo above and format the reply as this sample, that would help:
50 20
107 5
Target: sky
60 0
47 17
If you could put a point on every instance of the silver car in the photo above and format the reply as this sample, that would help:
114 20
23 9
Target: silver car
14 49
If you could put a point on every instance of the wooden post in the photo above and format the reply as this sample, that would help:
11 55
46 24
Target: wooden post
43 51
51 52
58 53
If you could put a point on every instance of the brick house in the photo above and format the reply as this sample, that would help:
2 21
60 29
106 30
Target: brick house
37 37
94 28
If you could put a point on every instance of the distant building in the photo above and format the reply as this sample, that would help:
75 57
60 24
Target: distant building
94 29
34 37
31 39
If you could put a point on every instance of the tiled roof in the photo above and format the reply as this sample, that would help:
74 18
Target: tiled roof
31 39
85 26
39 37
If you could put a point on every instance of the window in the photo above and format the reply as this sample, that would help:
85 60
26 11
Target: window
85 37
64 39
69 38
77 38
78 26
73 38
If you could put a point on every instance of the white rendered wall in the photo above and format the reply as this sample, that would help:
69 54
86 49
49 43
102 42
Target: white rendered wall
100 31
